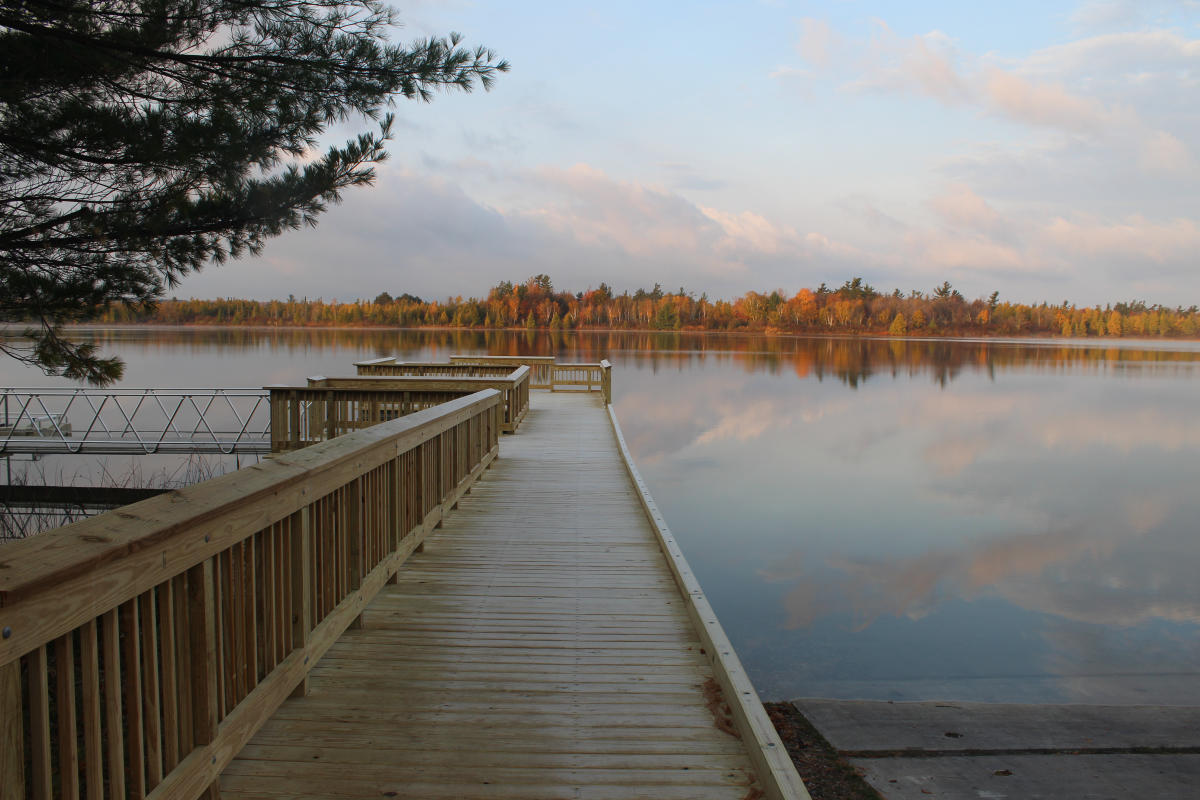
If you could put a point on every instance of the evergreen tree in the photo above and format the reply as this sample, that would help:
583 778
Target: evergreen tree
143 139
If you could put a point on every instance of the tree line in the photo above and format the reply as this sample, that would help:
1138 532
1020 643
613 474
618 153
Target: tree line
855 307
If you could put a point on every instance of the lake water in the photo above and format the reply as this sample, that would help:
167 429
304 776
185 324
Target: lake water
927 519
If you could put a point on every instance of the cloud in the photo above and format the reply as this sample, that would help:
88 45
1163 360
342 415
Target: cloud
1042 104
1135 240
925 64
961 207
1128 54
817 41
1163 152
1107 13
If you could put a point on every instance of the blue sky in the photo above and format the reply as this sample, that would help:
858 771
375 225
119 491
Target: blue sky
1046 150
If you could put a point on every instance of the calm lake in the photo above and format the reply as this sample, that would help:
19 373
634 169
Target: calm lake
926 519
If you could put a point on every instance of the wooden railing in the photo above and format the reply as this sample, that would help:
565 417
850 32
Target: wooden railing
547 373
542 366
392 367
329 407
141 649
592 377
514 381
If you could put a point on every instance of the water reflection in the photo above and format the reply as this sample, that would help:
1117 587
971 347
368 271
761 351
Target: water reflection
872 518
1010 522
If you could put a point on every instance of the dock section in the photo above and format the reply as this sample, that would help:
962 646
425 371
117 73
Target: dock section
539 647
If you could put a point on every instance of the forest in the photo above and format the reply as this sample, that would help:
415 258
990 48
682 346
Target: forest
853 308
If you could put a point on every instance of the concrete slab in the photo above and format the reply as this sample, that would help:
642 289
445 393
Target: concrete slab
858 726
1056 777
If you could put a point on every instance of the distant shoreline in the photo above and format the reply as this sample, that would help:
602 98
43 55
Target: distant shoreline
11 327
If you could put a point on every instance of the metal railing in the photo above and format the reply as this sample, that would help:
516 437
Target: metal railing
134 421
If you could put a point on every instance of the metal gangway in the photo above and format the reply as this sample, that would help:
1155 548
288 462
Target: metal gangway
134 421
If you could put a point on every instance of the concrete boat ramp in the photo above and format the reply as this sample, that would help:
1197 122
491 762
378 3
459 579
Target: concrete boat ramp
968 751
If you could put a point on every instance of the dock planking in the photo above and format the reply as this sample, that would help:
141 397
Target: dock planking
538 647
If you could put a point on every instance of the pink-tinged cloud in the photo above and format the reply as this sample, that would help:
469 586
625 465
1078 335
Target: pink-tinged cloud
641 220
817 41
930 62
960 207
923 64
1136 239
1166 153
748 230
1044 104
934 250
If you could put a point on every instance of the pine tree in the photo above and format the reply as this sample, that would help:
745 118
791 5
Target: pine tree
143 139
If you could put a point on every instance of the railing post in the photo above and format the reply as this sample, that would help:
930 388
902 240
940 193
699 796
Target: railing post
12 736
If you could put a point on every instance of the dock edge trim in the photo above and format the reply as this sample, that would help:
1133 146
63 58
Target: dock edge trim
776 773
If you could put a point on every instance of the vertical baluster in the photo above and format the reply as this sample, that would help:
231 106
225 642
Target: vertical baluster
235 654
132 686
68 744
301 585
293 402
332 413
38 690
110 635
151 707
283 605
202 634
12 733
220 642
266 602
339 550
169 672
355 536
89 667
249 617
183 651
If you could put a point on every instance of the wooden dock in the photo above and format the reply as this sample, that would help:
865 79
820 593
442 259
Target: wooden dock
539 647
395 604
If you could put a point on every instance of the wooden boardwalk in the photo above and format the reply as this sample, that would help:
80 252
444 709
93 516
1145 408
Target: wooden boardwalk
537 648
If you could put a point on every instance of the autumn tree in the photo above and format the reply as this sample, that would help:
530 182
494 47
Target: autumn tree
143 139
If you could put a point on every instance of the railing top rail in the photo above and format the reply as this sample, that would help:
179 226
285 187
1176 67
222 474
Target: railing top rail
507 359
578 364
400 381
372 361
129 551
429 365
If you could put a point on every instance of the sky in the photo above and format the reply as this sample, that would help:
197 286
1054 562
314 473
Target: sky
1046 150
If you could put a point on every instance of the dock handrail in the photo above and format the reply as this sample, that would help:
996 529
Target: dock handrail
190 617
514 380
542 366
391 367
585 376
329 407
548 373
